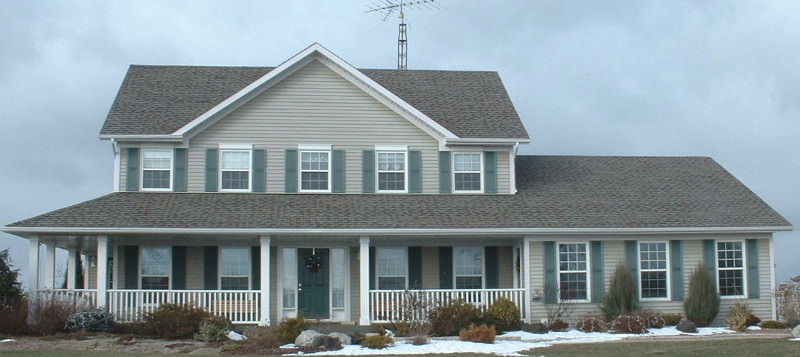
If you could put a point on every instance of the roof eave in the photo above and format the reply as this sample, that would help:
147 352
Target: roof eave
487 141
149 138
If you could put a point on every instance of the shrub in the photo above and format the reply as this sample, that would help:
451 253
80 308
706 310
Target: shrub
419 340
672 319
772 324
482 333
290 328
702 304
50 317
787 297
591 324
10 287
652 320
90 319
377 342
559 325
753 320
629 324
504 315
536 327
262 336
213 328
14 318
738 317
448 320
621 297
173 321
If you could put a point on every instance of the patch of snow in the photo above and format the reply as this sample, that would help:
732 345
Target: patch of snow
754 328
235 336
6 340
795 339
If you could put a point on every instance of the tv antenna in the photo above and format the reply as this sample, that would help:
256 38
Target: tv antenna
389 7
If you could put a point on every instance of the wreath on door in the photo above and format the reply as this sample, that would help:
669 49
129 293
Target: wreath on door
313 262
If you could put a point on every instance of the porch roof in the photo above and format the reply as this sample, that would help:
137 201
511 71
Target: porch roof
555 192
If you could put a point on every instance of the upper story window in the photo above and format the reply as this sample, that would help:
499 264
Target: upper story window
730 268
392 173
468 270
156 267
573 273
234 268
653 270
235 169
467 172
156 169
315 171
392 268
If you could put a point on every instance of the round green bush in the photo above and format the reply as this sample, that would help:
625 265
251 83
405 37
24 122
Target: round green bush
504 315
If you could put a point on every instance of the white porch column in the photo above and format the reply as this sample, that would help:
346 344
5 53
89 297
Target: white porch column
363 252
265 280
72 263
33 274
102 271
526 274
50 266
115 266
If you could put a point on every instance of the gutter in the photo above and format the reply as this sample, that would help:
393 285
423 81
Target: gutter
487 141
150 138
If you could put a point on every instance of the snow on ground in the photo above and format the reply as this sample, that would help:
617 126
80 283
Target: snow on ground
511 343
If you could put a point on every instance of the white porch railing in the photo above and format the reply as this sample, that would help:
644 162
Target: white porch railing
77 298
402 305
240 306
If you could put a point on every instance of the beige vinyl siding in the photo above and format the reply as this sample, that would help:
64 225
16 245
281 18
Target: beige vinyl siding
123 168
92 278
194 268
314 106
505 267
503 173
430 267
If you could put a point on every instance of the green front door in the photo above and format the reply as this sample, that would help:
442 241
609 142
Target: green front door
312 282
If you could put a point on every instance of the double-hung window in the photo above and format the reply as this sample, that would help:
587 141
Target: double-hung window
234 268
156 169
653 268
392 171
468 270
573 273
315 171
392 268
467 172
156 267
730 268
235 169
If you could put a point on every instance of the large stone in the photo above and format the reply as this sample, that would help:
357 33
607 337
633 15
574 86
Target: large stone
796 331
327 342
686 326
306 338
343 338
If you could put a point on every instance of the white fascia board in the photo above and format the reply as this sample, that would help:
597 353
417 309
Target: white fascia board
148 138
24 231
486 141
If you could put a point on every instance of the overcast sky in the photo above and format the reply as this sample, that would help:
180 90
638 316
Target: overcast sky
666 78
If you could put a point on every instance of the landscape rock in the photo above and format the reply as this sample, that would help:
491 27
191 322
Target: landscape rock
306 338
796 331
686 326
343 338
235 336
327 342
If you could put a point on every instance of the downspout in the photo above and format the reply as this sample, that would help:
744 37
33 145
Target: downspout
117 165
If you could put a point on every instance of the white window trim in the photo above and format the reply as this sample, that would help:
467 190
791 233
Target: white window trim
300 169
743 268
171 169
453 171
169 266
668 267
588 271
483 268
378 171
232 148
249 267
377 271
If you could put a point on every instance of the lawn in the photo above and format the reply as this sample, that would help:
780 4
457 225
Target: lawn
711 348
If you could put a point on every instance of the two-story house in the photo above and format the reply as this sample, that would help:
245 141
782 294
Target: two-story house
258 192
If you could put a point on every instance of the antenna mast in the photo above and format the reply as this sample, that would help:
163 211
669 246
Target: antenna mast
387 8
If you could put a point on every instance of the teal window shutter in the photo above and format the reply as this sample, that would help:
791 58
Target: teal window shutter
632 260
131 253
445 172
676 265
492 267
212 171
490 172
415 267
368 171
598 290
414 172
210 257
259 170
179 268
290 178
255 268
753 288
372 267
338 172
551 289
710 259
179 176
445 267
132 172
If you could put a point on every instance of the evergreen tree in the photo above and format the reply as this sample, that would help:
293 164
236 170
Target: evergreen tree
702 304
10 287
621 297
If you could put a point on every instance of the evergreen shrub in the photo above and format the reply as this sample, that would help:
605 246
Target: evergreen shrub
702 304
621 297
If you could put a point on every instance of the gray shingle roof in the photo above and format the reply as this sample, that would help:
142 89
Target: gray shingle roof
554 192
162 99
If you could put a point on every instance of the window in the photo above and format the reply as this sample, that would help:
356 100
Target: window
391 171
235 170
392 267
234 268
573 261
653 270
468 267
337 278
314 170
467 172
289 277
156 267
156 169
730 268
